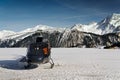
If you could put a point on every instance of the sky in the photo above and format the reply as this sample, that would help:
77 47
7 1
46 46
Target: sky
17 15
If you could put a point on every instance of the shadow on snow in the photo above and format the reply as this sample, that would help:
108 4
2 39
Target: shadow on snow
14 65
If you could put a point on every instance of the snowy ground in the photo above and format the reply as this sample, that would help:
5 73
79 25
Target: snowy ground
70 64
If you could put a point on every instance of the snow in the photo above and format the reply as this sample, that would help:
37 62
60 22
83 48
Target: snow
42 27
6 34
85 28
70 64
115 19
108 25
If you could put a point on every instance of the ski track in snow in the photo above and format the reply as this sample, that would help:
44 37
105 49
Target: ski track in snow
70 64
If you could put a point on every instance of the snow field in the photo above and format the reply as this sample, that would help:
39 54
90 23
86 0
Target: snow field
70 64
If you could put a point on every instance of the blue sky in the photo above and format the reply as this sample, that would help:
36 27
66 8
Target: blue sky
18 15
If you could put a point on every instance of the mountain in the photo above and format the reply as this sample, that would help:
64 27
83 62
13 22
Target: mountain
15 39
76 38
111 24
103 33
5 34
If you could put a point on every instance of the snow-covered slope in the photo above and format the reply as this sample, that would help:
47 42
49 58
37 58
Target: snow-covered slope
22 34
91 27
44 28
6 33
110 24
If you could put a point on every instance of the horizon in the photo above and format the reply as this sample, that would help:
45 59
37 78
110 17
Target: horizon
17 15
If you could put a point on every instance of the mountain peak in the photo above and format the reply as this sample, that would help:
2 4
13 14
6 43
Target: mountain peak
112 18
107 25
38 27
5 33
43 27
115 15
115 19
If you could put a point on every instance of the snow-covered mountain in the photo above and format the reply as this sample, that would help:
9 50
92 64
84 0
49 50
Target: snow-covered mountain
91 27
111 24
5 34
42 27
105 32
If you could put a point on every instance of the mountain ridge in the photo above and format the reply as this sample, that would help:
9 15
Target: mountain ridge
103 33
110 24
